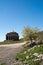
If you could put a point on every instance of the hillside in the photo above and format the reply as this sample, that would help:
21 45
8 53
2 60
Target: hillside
40 35
32 56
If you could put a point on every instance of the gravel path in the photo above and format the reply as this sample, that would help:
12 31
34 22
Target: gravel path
8 53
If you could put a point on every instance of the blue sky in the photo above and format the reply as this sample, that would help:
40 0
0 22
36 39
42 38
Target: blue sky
15 14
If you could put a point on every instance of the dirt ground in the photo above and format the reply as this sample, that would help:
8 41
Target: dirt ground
8 53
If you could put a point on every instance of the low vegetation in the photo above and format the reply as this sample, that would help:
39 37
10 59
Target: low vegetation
30 33
11 42
27 56
3 64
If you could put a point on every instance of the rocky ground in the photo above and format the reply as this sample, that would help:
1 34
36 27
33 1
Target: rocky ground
8 53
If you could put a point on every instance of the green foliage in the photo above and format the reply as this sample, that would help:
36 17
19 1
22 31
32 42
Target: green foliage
26 31
11 42
34 62
40 35
3 64
30 53
29 33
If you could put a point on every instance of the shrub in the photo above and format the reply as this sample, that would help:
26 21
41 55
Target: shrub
3 64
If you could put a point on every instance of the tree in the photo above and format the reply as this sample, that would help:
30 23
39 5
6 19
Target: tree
26 32
30 33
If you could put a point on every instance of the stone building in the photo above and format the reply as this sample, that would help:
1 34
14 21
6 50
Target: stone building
12 36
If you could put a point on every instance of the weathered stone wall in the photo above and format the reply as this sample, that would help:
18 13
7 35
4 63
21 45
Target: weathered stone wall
12 36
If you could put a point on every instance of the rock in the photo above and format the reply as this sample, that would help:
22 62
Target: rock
38 45
24 62
37 59
28 50
27 57
25 52
35 54
40 56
